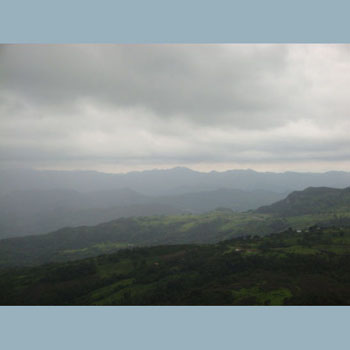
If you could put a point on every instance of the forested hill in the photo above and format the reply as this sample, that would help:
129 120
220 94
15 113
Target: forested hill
300 210
313 200
291 268
84 241
277 256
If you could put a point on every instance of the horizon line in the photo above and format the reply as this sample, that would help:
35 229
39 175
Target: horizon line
171 169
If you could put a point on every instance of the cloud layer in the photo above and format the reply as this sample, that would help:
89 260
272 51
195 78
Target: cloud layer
125 107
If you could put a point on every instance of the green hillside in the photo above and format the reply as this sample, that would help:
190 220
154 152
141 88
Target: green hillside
309 268
81 242
294 252
313 200
313 206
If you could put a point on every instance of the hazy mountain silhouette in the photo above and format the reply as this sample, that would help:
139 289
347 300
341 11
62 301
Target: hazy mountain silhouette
35 202
168 182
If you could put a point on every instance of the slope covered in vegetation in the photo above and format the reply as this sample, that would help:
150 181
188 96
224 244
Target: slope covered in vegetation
313 200
85 241
290 268
320 206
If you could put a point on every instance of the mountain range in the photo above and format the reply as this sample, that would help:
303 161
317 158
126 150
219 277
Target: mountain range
168 182
36 202
299 210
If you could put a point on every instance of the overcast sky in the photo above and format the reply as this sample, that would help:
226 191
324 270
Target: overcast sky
117 108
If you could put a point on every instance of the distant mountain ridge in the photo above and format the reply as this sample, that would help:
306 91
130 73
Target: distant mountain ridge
312 200
168 182
35 202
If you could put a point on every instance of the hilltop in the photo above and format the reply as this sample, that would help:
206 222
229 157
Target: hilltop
312 200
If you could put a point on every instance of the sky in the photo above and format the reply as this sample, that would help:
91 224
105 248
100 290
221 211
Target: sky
119 108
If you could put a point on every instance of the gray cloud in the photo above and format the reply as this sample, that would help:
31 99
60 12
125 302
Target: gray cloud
125 106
